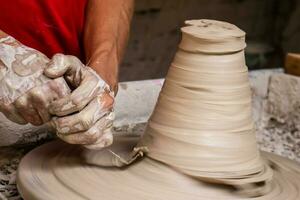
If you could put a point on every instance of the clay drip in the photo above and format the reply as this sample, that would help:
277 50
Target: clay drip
202 123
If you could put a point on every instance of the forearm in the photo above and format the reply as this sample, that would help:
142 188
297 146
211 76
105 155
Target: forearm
105 37
3 34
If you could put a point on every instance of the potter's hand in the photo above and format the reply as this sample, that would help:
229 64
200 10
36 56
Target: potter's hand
85 116
25 92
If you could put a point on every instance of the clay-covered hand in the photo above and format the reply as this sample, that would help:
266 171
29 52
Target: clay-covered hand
25 92
85 116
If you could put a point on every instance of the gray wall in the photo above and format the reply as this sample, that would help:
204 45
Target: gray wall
272 27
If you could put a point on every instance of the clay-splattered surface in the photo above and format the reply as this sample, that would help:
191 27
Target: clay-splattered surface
10 158
279 127
276 111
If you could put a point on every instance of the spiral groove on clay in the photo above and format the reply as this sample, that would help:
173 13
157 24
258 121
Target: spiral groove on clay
202 123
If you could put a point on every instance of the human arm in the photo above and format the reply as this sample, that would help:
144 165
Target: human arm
25 92
85 116
105 36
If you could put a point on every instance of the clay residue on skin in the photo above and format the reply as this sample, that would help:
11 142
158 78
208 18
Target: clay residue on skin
84 116
25 92
18 78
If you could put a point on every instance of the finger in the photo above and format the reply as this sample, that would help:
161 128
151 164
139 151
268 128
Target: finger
59 87
86 118
87 137
104 141
43 95
78 99
27 111
67 65
40 101
57 66
12 114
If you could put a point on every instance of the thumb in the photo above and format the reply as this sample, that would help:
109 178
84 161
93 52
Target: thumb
57 66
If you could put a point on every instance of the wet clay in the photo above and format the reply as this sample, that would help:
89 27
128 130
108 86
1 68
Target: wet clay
199 143
61 171
202 123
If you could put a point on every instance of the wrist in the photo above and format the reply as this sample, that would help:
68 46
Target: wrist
106 66
109 78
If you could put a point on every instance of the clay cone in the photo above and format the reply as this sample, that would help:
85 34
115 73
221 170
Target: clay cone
202 123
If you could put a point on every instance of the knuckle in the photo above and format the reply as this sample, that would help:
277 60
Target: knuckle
79 104
91 139
21 102
70 57
75 62
93 134
62 126
106 100
79 126
86 120
61 106
56 64
59 87
63 130
57 124
36 93
58 57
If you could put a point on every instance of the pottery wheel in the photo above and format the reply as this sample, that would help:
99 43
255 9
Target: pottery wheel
58 171
199 143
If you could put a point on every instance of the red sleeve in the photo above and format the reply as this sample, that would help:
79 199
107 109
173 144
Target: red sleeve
50 26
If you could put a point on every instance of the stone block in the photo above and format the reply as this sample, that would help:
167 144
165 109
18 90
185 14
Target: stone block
279 129
259 82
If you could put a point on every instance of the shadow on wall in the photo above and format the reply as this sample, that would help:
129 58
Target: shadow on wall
272 28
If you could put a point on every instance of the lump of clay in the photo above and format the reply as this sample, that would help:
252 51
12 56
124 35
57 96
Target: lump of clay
202 123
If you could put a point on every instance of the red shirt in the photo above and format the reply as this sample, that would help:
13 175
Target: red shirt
50 26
